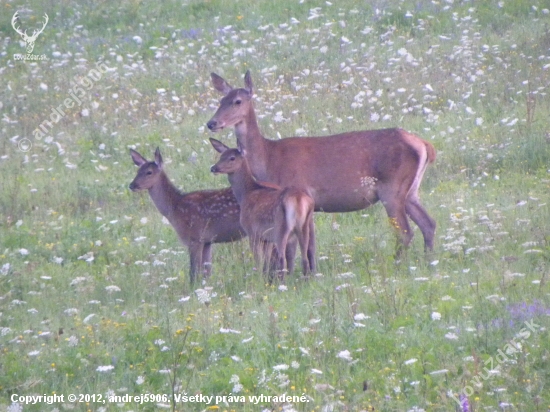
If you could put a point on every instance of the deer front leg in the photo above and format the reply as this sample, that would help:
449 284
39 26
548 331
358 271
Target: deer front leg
195 260
207 259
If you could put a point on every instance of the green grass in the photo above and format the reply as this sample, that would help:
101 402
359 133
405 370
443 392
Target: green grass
366 332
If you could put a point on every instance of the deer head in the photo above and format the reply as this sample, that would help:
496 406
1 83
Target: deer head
26 38
148 173
234 106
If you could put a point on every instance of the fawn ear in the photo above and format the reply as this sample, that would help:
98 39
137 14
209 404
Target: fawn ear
219 146
248 86
220 84
158 158
137 158
241 148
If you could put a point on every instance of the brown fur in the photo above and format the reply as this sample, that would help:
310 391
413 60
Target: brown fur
199 218
344 172
269 214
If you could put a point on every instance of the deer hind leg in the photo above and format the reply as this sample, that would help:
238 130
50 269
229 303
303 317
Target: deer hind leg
419 216
302 234
257 249
395 208
311 253
417 212
195 260
290 253
207 259
270 259
281 247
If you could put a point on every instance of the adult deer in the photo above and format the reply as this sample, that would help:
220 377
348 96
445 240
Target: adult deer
343 172
199 218
269 213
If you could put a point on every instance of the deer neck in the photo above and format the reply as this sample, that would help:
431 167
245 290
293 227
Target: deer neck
249 135
242 182
165 196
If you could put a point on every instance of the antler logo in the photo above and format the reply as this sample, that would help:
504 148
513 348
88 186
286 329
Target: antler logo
28 39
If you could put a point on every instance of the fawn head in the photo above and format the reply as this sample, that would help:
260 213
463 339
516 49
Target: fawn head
148 172
230 161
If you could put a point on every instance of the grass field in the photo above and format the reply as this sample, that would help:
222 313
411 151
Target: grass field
94 291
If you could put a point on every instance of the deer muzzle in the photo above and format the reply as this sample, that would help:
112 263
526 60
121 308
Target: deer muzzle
213 125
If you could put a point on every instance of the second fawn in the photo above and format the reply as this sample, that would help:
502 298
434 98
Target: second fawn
269 214
200 218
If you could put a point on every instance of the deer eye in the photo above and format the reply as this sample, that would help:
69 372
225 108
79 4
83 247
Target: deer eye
238 101
149 172
232 158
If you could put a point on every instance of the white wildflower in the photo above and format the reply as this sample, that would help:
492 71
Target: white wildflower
5 269
88 318
71 311
436 316
345 354
203 295
224 330
451 336
15 407
236 381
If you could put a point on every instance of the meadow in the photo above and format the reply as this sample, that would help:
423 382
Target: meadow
95 296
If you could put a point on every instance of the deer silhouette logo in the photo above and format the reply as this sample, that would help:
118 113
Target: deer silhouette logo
26 38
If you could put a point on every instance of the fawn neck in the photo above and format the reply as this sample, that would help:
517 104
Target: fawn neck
165 195
242 182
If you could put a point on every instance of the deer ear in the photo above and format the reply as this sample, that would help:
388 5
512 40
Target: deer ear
220 84
158 158
137 158
241 148
219 146
248 86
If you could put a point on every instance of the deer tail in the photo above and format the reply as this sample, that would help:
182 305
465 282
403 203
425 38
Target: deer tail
430 151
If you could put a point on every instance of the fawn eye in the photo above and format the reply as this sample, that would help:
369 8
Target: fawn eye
237 102
232 158
149 172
